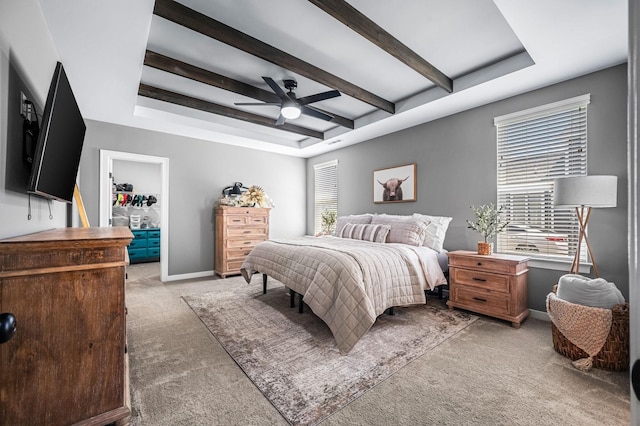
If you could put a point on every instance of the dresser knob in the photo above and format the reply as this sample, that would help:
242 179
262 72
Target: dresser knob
479 263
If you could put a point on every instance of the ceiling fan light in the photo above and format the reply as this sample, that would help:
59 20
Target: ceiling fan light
290 111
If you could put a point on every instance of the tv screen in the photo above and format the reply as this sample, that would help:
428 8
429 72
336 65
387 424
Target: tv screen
57 153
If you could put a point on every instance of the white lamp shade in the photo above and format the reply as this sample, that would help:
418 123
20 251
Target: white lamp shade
591 191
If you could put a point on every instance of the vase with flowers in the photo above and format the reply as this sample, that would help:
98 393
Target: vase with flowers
489 222
255 196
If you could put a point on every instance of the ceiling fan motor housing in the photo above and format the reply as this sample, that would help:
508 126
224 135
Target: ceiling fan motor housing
289 84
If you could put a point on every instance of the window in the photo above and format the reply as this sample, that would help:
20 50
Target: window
535 147
326 191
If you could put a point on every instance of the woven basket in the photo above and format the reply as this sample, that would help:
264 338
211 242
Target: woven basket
614 355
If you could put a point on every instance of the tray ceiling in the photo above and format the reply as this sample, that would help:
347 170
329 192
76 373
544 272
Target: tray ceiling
194 60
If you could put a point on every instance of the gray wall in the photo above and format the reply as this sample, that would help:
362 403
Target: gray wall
33 59
456 168
198 171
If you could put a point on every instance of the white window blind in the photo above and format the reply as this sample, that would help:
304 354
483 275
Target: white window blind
326 190
535 147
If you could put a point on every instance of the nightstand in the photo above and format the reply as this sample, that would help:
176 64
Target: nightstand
494 285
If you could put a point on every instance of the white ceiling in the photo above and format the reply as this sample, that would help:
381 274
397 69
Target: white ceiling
491 49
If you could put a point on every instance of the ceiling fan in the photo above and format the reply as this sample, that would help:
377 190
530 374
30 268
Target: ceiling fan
291 107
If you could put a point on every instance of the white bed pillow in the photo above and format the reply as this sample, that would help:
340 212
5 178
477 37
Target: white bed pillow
354 218
585 291
366 232
436 230
404 229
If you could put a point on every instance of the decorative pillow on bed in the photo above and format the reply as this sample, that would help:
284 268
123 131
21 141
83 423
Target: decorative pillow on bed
404 229
436 230
354 218
366 232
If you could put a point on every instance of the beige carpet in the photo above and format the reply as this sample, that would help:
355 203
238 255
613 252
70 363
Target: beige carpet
293 359
489 374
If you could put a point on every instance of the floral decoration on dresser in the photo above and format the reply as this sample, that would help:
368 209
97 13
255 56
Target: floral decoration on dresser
254 196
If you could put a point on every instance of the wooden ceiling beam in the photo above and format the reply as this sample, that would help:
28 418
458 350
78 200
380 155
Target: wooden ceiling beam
358 22
183 69
189 18
202 105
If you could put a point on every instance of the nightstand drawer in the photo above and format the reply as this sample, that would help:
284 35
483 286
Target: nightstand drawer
484 280
486 264
481 301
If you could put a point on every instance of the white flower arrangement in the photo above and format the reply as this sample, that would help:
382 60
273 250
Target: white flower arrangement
254 196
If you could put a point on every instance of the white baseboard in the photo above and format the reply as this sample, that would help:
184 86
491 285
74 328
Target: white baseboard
189 276
541 315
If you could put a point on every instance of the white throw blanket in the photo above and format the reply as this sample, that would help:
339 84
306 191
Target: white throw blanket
348 283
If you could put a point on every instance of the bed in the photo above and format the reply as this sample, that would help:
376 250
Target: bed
371 264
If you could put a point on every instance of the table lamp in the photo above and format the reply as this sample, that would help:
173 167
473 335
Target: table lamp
585 193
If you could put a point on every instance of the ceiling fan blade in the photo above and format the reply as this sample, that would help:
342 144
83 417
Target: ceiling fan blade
274 86
257 103
313 113
280 120
318 97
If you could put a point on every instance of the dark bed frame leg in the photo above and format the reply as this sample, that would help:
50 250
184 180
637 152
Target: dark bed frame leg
292 298
264 283
390 311
300 304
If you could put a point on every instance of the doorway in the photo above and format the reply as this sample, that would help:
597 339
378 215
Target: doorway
107 159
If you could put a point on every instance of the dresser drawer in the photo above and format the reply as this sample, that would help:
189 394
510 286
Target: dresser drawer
138 243
153 242
238 243
258 220
244 231
481 301
153 233
481 279
238 253
234 265
137 253
236 220
139 233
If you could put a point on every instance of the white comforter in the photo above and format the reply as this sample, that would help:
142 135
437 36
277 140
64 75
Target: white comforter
348 283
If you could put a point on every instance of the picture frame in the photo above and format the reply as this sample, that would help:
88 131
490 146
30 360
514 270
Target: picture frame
395 184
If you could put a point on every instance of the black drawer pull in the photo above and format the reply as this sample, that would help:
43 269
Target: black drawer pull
479 263
479 279
479 299
247 232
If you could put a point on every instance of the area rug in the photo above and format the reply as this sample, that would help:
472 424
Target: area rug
293 359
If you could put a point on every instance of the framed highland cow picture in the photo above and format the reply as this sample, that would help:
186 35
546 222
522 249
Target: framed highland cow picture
395 184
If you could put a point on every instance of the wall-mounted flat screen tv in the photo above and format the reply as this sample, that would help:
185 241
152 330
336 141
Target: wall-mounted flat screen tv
59 146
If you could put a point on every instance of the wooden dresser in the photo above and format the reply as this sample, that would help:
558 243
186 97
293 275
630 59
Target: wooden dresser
494 285
66 363
238 230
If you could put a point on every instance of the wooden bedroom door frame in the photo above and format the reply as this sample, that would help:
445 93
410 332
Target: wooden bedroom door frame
106 168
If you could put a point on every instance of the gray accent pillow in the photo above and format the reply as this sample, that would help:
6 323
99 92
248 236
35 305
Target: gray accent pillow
588 292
